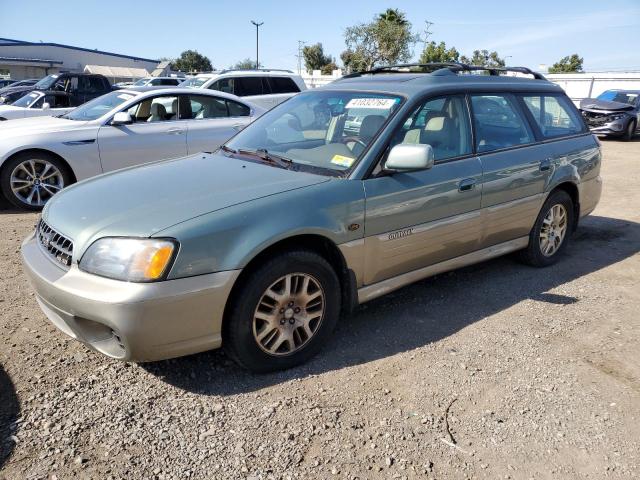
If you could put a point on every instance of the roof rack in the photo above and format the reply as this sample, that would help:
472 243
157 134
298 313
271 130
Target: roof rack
254 70
451 67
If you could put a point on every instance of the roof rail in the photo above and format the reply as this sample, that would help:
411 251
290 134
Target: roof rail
254 70
453 67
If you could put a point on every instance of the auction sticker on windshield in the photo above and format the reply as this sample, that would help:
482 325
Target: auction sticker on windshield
342 160
380 103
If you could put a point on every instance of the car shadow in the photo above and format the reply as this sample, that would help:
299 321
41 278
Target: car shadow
9 411
422 313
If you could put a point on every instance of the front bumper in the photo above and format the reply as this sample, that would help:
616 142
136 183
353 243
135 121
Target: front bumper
130 321
614 128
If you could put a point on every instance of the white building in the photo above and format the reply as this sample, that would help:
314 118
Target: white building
20 60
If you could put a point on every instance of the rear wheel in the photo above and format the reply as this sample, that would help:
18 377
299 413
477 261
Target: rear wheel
283 313
29 180
551 232
630 132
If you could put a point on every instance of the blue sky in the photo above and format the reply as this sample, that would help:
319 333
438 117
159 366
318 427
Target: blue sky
532 33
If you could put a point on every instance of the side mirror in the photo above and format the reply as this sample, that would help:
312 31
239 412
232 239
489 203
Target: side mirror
121 118
46 106
408 157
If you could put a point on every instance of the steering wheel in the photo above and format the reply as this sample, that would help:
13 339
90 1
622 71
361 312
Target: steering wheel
357 140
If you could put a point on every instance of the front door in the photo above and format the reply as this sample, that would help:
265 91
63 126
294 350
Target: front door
157 133
421 218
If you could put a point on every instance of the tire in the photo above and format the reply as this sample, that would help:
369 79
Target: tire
25 171
256 322
630 132
535 254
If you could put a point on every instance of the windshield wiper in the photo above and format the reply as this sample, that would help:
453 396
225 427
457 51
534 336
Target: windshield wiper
264 155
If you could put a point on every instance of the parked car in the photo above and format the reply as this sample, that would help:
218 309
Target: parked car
5 82
9 93
40 156
80 87
37 104
614 113
266 88
158 81
259 247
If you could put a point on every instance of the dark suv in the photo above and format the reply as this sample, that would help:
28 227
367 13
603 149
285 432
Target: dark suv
79 87
613 113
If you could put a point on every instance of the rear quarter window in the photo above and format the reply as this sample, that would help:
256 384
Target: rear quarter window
283 85
553 115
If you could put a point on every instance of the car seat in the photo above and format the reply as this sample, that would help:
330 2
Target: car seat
158 113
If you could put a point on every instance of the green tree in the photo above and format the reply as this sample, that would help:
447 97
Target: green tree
484 58
192 61
568 64
246 64
329 68
439 53
387 39
315 58
394 15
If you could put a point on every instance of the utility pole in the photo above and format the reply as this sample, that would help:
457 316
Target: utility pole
258 25
300 45
427 33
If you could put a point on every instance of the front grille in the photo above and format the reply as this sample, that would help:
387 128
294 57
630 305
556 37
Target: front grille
594 119
59 247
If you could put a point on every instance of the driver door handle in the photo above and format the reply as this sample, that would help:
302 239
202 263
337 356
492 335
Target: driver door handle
466 184
175 131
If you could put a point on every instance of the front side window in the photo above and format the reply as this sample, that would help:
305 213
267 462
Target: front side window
194 82
316 129
28 100
553 116
442 123
155 109
98 107
225 85
499 124
47 82
141 83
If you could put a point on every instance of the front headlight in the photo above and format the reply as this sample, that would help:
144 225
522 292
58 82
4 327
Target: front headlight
615 116
129 259
3 99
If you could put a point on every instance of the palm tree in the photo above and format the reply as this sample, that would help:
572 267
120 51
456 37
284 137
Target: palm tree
393 15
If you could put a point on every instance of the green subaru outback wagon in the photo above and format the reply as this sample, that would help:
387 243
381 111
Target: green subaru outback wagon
335 197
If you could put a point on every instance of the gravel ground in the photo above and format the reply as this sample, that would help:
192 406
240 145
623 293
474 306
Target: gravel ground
493 371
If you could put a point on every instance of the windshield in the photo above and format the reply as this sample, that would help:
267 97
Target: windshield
194 82
327 130
28 100
142 82
98 106
47 82
622 97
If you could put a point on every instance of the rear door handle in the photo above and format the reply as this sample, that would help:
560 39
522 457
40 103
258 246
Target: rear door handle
545 165
239 126
467 184
175 131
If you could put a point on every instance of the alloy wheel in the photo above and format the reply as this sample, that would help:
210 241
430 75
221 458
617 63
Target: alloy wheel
554 229
34 182
288 314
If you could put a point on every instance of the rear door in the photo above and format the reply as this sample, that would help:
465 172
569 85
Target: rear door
515 167
156 134
417 219
212 120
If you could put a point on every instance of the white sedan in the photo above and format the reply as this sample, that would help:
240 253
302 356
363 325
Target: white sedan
37 104
40 156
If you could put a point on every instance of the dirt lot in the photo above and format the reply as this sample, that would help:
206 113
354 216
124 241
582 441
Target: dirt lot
542 367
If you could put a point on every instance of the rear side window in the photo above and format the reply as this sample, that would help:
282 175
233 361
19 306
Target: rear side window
553 115
237 109
202 107
499 123
283 85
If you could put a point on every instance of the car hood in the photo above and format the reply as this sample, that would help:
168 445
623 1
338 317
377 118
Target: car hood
144 200
10 89
36 125
593 104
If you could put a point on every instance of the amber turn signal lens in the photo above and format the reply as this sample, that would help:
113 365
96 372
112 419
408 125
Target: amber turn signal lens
158 263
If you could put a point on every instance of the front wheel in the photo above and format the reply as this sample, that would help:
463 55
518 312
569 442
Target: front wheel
551 232
630 132
29 180
283 312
